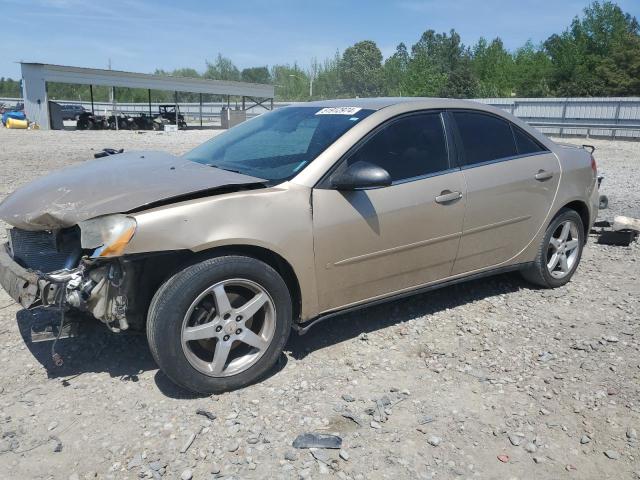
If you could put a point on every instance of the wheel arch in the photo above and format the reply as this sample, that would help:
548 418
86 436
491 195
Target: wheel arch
271 258
582 209
171 262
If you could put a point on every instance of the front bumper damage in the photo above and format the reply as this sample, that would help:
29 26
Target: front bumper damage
95 286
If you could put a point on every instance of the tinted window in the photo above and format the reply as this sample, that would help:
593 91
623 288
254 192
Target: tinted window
409 147
525 143
484 137
279 144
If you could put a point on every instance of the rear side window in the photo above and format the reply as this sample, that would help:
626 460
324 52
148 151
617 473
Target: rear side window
525 143
484 137
409 147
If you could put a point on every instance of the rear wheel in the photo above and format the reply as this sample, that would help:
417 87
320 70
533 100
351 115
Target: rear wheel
560 251
220 324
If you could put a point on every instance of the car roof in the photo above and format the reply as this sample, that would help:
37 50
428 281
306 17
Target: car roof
378 103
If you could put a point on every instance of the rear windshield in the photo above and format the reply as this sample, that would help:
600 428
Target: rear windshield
277 145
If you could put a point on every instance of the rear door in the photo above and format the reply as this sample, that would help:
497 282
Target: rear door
511 184
375 242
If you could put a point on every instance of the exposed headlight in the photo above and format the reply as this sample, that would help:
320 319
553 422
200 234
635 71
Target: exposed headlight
108 235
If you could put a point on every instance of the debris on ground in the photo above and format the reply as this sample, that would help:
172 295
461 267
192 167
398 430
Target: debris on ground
107 152
317 440
207 414
621 224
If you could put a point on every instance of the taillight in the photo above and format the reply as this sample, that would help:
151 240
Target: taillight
594 167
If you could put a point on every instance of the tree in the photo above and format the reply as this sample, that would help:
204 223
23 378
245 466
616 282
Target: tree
256 75
361 69
597 55
222 69
291 82
395 71
9 88
185 72
493 66
531 71
328 83
440 65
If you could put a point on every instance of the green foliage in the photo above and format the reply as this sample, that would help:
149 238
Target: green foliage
361 69
597 55
291 82
494 68
222 69
395 71
9 88
531 72
328 81
256 75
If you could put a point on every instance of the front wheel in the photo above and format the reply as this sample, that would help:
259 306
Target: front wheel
559 253
220 324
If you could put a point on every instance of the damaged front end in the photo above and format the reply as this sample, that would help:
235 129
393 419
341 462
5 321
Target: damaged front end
93 287
77 268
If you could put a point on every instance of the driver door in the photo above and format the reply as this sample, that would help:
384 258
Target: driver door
376 242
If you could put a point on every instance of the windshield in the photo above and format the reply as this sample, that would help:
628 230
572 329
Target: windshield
279 144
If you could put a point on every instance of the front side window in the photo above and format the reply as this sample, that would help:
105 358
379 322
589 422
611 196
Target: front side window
484 137
277 145
409 147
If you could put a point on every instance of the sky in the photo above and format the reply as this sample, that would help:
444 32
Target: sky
142 35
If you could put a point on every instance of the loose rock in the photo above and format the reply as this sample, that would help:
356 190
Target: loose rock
612 454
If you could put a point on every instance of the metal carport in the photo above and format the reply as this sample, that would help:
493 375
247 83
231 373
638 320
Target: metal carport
36 75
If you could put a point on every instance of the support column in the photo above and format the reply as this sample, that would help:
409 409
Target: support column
149 98
115 113
34 94
175 98
91 92
201 110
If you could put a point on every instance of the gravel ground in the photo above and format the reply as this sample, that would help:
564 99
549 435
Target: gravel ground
488 379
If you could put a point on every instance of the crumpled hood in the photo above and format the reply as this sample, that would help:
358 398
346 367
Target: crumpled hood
114 184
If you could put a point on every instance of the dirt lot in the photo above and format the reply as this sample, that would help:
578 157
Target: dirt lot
489 379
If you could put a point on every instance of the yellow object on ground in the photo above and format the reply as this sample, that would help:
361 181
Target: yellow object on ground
13 123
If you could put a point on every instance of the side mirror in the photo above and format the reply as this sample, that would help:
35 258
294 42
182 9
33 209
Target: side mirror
361 175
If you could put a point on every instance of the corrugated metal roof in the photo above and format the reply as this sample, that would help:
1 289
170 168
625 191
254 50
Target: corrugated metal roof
117 78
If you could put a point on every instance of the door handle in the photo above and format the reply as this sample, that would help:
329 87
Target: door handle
447 196
543 175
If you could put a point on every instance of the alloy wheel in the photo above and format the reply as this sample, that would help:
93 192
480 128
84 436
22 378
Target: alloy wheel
563 249
228 327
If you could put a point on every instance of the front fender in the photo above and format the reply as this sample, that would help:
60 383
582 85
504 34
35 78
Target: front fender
277 219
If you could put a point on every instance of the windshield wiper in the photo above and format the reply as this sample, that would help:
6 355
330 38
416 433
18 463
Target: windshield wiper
227 169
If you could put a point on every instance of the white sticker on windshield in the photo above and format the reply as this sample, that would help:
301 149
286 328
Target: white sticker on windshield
339 111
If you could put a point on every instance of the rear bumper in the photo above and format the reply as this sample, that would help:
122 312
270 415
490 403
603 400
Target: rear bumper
20 283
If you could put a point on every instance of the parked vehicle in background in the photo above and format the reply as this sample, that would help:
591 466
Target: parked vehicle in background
72 112
142 122
125 122
167 116
298 215
89 121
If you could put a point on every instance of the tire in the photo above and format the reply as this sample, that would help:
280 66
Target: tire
540 272
182 308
